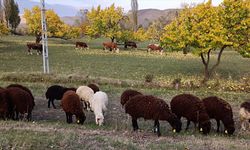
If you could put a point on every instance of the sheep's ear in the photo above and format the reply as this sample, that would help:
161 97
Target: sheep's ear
201 129
226 131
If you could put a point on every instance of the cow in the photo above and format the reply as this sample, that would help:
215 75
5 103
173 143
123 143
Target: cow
81 45
35 46
130 44
155 47
111 46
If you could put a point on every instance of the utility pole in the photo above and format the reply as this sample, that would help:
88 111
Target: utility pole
44 39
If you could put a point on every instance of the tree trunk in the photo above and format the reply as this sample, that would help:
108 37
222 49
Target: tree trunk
209 72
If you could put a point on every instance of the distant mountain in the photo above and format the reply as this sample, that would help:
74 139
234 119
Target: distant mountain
146 16
61 10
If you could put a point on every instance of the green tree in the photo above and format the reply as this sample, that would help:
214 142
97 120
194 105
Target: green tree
105 22
11 14
205 28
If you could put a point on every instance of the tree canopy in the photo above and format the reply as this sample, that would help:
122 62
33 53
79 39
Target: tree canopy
205 28
56 28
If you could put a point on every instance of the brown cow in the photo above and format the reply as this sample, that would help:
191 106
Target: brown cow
155 47
111 46
35 46
81 45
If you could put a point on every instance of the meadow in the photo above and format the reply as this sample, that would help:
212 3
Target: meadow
116 73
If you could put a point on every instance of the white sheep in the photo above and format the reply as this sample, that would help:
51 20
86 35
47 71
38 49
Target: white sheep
245 115
98 104
85 93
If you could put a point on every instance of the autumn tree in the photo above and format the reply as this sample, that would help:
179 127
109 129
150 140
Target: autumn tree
204 29
105 22
56 28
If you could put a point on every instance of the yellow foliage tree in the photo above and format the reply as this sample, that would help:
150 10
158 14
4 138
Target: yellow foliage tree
3 29
56 28
205 28
105 22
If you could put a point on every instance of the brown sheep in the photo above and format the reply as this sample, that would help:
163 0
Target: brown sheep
219 109
245 114
35 46
111 46
19 101
23 88
81 45
193 109
4 104
151 108
127 95
71 104
94 87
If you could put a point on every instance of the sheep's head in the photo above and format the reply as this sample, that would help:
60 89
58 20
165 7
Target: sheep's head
229 129
99 119
80 119
175 123
205 127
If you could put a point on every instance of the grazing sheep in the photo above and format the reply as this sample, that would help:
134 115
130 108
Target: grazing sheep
81 45
219 109
85 93
151 108
56 92
127 95
4 104
94 87
245 115
71 104
155 47
111 46
23 88
19 101
98 104
193 109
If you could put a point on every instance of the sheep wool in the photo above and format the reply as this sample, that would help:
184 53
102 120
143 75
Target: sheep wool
98 104
220 110
193 109
85 93
127 95
94 87
244 113
151 108
71 105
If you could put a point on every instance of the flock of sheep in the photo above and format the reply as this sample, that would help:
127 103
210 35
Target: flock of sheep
17 102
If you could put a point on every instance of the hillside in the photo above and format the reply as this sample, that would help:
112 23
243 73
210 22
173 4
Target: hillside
145 16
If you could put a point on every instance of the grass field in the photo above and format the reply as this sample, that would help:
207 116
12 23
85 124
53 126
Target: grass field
115 73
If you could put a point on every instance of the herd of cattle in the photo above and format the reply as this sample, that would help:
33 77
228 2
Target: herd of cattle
17 102
111 46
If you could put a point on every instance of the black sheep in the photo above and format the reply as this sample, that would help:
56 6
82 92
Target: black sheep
56 92
193 109
219 109
127 95
94 87
151 108
71 104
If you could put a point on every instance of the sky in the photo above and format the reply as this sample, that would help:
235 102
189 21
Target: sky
143 4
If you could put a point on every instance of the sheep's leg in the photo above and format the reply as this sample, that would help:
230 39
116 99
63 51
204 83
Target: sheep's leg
188 123
29 116
218 125
17 115
157 127
135 124
49 103
52 101
69 117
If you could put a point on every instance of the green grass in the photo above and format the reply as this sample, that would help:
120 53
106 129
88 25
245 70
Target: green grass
115 73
